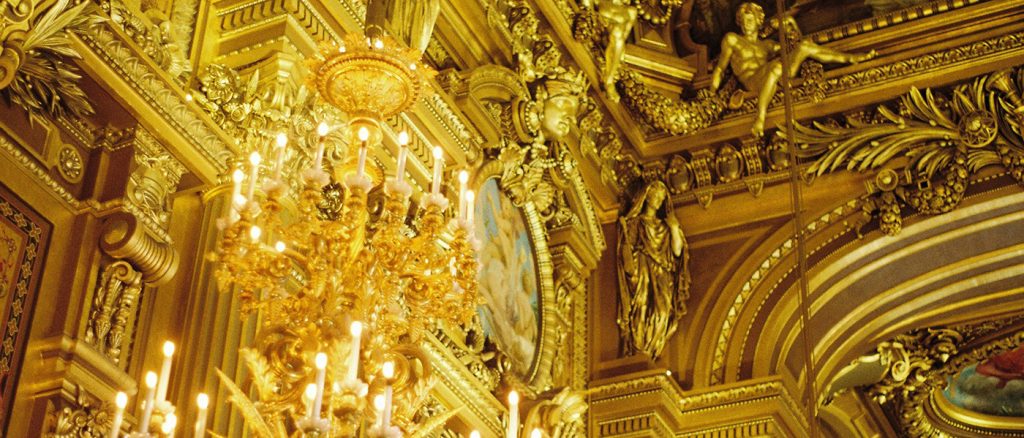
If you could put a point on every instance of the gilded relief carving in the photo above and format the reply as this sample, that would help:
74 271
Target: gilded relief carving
918 365
654 280
618 17
154 33
155 178
34 70
78 419
562 416
113 308
943 137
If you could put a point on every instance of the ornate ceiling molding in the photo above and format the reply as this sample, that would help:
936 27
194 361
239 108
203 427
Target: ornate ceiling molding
106 45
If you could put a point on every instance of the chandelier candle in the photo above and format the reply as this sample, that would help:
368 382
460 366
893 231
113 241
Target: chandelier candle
388 371
435 188
470 197
403 152
308 397
236 190
202 402
463 180
353 355
364 135
120 401
170 422
513 414
321 372
378 405
147 413
318 160
282 140
254 172
165 371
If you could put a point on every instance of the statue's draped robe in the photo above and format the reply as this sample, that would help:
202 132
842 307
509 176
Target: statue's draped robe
653 284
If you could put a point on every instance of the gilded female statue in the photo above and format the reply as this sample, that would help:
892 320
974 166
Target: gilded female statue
653 279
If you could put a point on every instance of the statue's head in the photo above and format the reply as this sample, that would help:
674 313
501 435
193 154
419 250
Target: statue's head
560 95
750 18
656 194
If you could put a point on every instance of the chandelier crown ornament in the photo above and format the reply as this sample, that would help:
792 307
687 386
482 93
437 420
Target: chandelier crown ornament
373 78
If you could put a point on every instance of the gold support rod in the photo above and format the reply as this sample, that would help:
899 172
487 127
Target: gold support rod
798 226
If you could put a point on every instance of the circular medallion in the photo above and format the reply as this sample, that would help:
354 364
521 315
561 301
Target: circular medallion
69 163
978 129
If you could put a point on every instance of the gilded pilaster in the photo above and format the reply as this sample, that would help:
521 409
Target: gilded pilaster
212 324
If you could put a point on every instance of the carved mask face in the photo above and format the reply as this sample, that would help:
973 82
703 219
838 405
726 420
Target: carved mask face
559 116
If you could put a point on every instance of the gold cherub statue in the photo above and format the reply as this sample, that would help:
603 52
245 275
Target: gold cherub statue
618 17
757 63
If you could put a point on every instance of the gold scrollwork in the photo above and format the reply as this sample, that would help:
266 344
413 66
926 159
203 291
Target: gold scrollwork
919 365
943 136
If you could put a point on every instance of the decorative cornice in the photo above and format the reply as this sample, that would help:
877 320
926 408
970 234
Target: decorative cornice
163 96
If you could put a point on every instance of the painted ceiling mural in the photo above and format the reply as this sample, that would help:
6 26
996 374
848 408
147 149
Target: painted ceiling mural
994 386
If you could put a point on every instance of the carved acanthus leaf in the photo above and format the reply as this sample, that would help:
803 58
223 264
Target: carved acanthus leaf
34 63
928 134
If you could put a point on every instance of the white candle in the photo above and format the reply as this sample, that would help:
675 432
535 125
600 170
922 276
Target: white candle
165 371
236 191
364 135
388 371
463 179
254 160
308 397
403 152
378 404
470 209
120 401
321 372
353 355
513 414
282 140
318 161
203 402
438 165
150 395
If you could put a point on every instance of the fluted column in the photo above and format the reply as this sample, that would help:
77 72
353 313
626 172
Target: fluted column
213 329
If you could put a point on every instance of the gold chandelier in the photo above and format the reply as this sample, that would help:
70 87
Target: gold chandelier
344 300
